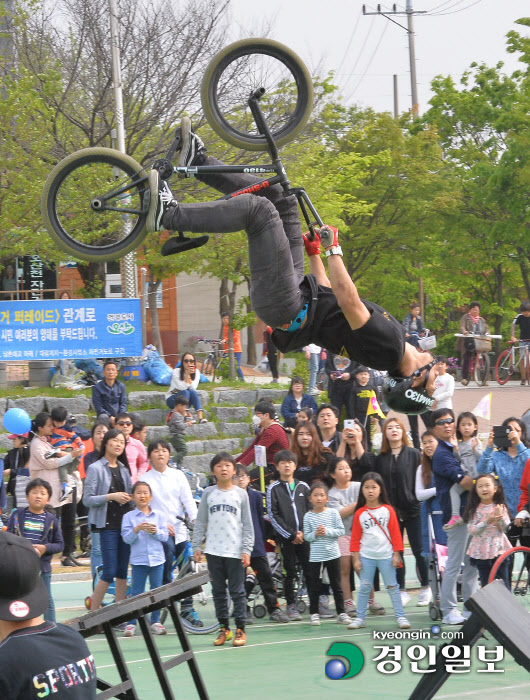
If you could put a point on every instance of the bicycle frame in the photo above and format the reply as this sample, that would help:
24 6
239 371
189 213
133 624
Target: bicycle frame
276 167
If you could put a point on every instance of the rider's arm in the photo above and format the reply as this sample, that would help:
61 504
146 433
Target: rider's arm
316 268
512 332
346 292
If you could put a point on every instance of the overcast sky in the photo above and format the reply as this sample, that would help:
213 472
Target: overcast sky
365 51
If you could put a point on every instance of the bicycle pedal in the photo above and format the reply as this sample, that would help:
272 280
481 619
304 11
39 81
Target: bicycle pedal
179 244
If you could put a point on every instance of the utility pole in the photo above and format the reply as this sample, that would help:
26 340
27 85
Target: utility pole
396 99
412 54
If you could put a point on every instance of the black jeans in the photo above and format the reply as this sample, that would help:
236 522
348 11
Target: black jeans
223 569
340 394
66 515
414 431
290 554
316 568
264 576
484 567
413 528
275 244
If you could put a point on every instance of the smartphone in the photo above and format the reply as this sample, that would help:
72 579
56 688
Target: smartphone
500 436
348 424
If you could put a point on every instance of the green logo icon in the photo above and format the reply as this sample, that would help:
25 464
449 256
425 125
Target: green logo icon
336 669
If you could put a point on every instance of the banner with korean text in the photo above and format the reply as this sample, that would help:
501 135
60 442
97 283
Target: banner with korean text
70 329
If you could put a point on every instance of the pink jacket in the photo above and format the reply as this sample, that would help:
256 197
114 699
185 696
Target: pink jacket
137 457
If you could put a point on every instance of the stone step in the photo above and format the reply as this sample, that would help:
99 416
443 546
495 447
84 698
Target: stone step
198 463
235 429
248 397
198 447
137 399
231 413
152 416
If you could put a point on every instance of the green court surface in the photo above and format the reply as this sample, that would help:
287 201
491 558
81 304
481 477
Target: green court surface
288 661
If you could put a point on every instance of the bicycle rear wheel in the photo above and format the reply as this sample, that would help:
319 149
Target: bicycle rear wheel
482 368
503 367
243 67
208 367
520 578
94 204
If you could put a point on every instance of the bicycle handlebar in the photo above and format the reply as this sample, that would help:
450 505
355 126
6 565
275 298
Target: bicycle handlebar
486 336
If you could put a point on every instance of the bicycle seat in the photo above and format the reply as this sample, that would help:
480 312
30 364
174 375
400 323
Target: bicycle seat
178 244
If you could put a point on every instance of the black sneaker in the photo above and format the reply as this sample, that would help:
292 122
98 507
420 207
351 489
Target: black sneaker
191 145
161 199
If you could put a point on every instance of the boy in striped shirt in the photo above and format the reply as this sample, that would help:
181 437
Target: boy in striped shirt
41 528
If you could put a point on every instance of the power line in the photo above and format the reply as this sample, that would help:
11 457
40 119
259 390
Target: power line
369 62
350 42
443 14
435 9
360 51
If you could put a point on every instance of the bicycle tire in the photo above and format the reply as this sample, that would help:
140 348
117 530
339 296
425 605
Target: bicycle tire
67 201
520 583
208 367
227 111
503 368
482 368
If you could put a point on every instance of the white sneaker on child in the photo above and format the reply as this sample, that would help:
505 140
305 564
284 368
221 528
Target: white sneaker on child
424 597
314 619
344 619
158 628
129 631
350 607
405 598
356 624
403 623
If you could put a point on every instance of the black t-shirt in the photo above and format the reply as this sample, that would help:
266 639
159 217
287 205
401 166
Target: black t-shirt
379 344
49 660
115 510
524 326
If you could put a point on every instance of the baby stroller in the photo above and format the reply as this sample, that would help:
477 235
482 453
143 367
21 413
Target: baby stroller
437 560
255 598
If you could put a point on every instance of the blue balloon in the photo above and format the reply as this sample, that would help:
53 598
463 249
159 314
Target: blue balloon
16 421
335 669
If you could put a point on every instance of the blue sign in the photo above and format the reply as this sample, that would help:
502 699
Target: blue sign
70 329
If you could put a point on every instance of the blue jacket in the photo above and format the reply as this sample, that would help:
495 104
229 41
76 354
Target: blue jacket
447 471
52 536
110 400
256 510
290 408
97 484
508 469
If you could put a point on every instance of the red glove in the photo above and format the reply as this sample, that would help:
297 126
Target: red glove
329 235
311 247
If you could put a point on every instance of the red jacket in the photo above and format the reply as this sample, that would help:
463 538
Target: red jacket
274 438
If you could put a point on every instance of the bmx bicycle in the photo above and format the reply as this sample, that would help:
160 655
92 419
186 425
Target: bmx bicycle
213 359
256 94
507 364
480 361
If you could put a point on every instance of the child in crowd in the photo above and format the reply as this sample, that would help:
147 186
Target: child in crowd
258 557
287 504
487 517
134 449
376 543
66 441
16 460
322 529
343 497
469 452
41 528
360 396
139 431
225 520
145 529
178 422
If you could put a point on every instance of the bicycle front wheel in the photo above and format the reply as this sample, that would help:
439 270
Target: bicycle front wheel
482 368
208 368
519 578
243 67
94 204
503 367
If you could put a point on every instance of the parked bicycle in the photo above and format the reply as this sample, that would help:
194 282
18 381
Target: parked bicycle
256 95
480 361
508 364
213 359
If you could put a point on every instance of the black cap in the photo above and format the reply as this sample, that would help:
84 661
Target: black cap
23 593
